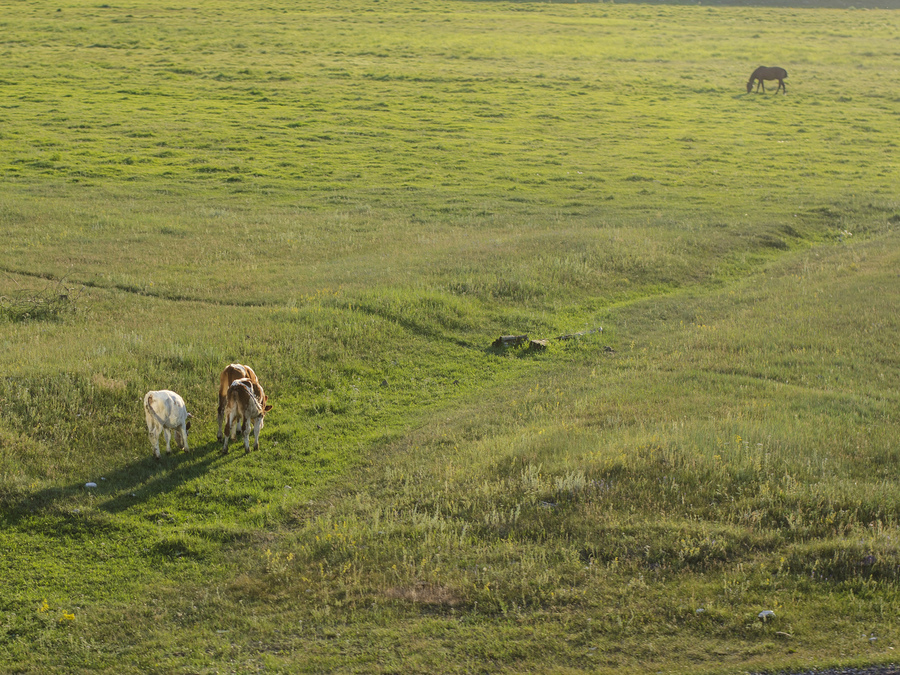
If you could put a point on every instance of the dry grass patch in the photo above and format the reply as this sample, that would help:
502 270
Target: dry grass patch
427 595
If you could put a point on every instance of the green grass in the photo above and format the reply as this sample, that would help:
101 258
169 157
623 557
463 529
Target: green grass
357 202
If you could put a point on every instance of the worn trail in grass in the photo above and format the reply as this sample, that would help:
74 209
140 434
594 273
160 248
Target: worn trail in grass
587 514
639 507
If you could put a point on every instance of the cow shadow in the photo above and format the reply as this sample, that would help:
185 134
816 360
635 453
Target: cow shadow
144 480
139 481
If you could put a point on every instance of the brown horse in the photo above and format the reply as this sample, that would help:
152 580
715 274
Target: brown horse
767 73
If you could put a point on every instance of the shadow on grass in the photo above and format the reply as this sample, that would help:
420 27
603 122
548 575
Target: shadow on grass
134 483
144 480
418 328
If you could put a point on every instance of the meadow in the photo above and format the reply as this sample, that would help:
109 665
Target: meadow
357 201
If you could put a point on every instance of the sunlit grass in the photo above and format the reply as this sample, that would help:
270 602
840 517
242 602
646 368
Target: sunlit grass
358 201
625 473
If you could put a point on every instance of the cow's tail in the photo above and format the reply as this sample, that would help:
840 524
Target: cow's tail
256 402
152 412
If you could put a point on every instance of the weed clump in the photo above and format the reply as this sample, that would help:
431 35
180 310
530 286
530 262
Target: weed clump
53 302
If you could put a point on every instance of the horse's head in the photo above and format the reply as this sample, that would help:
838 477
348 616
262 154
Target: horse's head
749 86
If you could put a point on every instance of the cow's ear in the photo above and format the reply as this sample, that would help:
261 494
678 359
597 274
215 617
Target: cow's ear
268 408
187 425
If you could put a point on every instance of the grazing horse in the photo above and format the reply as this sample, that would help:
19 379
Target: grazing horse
767 73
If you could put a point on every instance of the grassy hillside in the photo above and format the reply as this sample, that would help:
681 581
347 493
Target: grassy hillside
783 4
358 202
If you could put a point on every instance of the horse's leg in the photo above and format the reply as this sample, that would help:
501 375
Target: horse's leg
783 88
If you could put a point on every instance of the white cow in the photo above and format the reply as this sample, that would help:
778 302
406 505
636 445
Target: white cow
165 411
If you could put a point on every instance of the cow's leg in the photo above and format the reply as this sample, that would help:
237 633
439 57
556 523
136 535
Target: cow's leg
221 416
181 437
168 434
246 429
227 435
256 428
154 440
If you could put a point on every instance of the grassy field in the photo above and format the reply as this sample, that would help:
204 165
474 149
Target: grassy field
357 202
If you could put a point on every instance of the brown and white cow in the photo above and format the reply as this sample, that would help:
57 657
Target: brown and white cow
165 411
233 372
245 403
